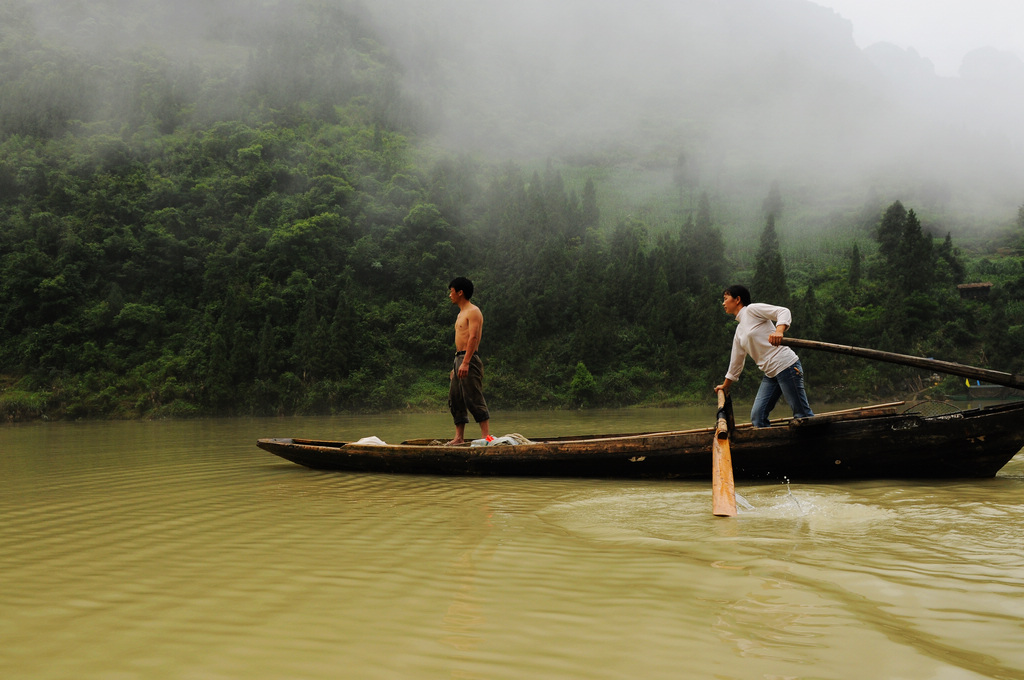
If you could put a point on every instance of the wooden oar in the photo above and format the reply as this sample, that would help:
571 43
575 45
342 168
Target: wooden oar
962 370
723 489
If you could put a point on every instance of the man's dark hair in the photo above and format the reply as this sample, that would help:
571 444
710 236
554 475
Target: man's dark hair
463 284
740 292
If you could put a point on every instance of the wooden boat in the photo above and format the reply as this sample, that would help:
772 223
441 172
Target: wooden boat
889 441
981 390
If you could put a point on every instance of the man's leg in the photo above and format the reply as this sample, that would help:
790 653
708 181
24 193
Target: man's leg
791 382
460 434
767 396
473 396
457 406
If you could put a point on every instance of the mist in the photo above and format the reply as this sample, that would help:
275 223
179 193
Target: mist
748 92
728 97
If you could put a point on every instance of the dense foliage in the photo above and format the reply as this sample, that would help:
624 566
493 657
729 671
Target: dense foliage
272 237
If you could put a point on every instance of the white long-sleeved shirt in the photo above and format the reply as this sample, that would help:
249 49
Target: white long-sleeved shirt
756 322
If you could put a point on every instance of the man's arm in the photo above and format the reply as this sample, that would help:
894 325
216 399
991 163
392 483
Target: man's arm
781 317
737 358
776 337
475 329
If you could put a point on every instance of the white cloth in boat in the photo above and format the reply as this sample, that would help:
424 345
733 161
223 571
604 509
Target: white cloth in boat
513 439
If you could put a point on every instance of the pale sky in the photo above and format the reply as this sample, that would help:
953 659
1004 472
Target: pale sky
940 30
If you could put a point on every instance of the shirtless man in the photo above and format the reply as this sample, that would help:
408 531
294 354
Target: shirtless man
466 391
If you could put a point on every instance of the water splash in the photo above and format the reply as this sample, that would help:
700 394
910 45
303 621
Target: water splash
743 502
789 491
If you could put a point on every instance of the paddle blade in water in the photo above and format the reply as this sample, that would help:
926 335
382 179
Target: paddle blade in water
723 489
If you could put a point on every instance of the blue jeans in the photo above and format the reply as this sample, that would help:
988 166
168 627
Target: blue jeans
788 383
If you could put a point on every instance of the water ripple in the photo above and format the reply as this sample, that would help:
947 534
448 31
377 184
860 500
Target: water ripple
183 551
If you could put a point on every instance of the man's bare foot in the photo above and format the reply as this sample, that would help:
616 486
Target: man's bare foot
456 442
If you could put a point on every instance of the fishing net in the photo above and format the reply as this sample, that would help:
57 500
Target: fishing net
932 409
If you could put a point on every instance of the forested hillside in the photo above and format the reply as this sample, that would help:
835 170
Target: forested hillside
264 226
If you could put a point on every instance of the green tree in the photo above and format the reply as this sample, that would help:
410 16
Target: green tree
914 263
853 275
702 248
769 283
891 229
583 386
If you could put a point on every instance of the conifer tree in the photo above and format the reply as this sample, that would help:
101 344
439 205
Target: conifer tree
769 284
853 277
890 229
915 263
702 247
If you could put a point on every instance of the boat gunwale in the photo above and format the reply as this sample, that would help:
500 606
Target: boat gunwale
421 444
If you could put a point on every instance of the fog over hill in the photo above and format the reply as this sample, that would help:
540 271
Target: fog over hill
749 91
726 96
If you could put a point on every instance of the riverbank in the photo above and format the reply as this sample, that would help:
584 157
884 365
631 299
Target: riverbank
20 404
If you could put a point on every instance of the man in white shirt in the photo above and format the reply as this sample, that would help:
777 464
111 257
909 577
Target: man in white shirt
760 330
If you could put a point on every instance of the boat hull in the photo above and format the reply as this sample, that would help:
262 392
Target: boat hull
877 445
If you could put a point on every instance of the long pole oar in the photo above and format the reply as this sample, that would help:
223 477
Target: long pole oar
962 370
723 489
